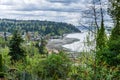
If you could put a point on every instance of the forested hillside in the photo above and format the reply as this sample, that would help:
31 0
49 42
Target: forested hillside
42 27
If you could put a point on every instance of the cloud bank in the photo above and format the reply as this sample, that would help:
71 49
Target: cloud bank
53 10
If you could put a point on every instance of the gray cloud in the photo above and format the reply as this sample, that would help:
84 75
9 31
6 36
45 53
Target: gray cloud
34 8
63 1
69 11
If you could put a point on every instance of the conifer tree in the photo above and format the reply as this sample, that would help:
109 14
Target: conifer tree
114 42
101 37
43 49
101 41
114 11
1 67
16 50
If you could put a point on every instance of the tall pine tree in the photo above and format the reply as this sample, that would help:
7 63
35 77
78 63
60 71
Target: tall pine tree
16 50
114 42
101 35
101 41
114 10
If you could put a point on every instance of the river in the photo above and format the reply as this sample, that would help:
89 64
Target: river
73 42
81 45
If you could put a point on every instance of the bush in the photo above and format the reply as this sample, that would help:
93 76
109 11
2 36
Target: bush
3 43
88 70
56 66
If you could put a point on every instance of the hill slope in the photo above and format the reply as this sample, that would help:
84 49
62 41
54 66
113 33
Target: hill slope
42 27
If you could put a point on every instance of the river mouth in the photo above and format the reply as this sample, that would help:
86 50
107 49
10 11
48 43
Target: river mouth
73 43
57 44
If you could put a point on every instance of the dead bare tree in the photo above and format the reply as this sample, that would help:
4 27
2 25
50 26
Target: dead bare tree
93 15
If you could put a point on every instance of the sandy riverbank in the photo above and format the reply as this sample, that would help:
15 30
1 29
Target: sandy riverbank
74 42
58 43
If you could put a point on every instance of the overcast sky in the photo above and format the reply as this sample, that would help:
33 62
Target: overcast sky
52 10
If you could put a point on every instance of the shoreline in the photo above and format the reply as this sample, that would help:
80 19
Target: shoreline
57 44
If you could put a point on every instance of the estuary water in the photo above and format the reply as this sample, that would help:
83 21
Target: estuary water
82 44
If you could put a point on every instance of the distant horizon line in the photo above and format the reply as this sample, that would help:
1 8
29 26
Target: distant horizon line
35 20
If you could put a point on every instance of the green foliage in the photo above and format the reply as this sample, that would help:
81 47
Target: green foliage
0 63
16 50
101 38
3 43
101 43
42 47
31 49
86 69
58 66
55 67
43 27
114 9
115 33
52 67
103 71
113 51
6 60
1 67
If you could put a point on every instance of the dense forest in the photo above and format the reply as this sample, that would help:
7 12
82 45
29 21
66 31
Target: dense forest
42 27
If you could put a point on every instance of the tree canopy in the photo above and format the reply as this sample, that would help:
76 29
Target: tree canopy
16 50
42 27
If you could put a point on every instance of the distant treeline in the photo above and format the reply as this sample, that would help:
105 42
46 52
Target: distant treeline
42 27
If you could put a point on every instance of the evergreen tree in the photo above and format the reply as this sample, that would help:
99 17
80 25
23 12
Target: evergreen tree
114 11
1 67
43 27
101 42
101 37
114 42
42 47
16 50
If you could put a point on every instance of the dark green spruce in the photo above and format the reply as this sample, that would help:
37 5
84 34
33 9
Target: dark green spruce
16 50
111 54
114 42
